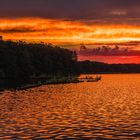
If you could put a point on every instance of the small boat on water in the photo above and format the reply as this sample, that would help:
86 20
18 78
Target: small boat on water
90 79
97 78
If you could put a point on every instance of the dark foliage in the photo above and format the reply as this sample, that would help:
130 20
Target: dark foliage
19 61
97 67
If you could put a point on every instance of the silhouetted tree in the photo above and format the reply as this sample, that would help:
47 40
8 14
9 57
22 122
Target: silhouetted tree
19 61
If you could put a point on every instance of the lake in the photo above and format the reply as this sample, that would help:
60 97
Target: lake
108 109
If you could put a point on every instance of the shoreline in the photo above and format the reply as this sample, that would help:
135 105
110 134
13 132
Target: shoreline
40 83
63 80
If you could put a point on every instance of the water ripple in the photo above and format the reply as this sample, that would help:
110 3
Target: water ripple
109 109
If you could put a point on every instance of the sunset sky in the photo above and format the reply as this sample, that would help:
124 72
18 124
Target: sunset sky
69 23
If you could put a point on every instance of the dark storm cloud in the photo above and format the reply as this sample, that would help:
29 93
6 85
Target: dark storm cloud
70 9
17 30
108 51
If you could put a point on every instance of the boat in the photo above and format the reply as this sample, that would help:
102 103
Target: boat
90 79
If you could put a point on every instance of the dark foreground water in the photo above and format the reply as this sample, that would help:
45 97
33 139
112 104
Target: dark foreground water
109 109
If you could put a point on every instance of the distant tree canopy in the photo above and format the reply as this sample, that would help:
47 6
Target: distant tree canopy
98 67
21 60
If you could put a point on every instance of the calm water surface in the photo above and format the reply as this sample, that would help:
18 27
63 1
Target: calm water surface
109 109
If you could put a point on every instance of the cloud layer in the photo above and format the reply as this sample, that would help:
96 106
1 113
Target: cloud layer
109 51
72 22
109 54
69 32
70 9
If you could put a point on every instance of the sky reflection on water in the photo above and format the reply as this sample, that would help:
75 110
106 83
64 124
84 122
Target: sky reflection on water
108 109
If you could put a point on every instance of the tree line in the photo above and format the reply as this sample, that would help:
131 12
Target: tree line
19 61
98 67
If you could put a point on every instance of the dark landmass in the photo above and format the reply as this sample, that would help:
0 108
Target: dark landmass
32 64
98 67
24 63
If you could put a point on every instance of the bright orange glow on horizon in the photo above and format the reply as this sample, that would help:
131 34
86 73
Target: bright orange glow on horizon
67 32
112 59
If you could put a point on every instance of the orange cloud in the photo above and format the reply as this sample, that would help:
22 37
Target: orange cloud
72 32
